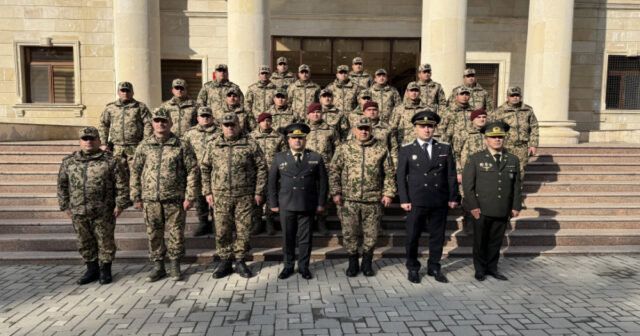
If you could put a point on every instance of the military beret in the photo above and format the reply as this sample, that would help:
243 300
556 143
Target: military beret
263 116
282 60
425 117
230 118
364 122
281 92
205 110
496 128
462 89
514 90
264 69
89 131
161 113
221 66
424 67
369 104
125 85
179 82
325 92
232 90
296 130
356 60
381 72
314 107
304 67
343 68
413 86
477 113
469 71
364 94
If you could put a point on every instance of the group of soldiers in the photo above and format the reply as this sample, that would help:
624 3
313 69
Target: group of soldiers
288 147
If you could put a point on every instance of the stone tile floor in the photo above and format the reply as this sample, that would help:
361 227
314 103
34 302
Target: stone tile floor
575 295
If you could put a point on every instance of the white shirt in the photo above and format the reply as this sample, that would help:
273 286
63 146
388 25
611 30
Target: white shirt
429 146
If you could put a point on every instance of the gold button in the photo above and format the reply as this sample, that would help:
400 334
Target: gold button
417 165
435 174
436 185
426 185
294 177
499 181
425 174
294 188
499 173
499 188
499 196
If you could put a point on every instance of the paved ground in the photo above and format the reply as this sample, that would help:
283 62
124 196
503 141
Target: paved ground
546 295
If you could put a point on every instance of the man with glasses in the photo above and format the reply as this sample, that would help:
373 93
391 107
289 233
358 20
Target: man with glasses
358 75
260 94
281 113
491 183
213 92
165 181
183 109
431 93
232 105
345 91
334 117
456 117
403 113
364 97
480 98
282 77
385 95
303 92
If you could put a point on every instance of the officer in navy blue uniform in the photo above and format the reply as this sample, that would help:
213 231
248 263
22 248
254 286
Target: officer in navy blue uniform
427 185
297 190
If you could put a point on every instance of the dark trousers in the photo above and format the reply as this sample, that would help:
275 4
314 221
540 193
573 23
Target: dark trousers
436 219
488 233
296 225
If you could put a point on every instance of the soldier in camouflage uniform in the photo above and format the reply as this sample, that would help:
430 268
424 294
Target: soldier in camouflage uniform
522 137
271 142
281 113
93 191
385 95
165 182
362 176
123 124
303 92
213 92
184 111
380 130
345 91
455 118
358 75
479 97
198 137
282 77
363 97
431 93
336 118
403 113
260 94
232 105
323 139
234 178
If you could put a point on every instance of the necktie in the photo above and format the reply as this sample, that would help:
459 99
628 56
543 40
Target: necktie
298 159
425 147
497 156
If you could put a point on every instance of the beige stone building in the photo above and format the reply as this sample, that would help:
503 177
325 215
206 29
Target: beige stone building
576 60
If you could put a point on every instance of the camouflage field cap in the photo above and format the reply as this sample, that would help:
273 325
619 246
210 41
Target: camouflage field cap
161 113
264 69
495 129
424 67
413 86
364 94
232 90
125 85
205 110
179 82
364 122
281 92
426 117
297 130
514 90
230 119
304 67
326 92
356 60
221 66
462 89
282 60
89 131
343 68
381 72
469 71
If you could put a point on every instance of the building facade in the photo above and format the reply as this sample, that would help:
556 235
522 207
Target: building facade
576 60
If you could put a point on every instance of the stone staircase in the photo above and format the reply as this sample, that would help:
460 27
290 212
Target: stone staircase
581 199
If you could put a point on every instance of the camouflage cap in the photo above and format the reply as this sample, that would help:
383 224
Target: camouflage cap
125 85
297 130
161 113
364 122
413 86
356 60
381 72
343 68
326 92
205 110
264 69
281 92
495 129
221 66
424 67
469 71
514 90
304 67
462 89
230 118
232 90
425 117
179 82
364 94
282 60
89 131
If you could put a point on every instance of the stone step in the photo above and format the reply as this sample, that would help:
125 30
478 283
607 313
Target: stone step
545 176
586 158
40 146
607 148
578 186
18 176
28 157
583 167
535 199
35 166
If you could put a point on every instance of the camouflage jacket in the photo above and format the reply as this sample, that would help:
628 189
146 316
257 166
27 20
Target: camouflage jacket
283 80
384 133
345 95
432 95
92 184
282 117
466 143
362 79
402 115
125 123
213 93
479 98
259 98
336 119
387 98
323 139
523 122
199 136
247 121
454 120
164 171
184 114
362 172
271 143
301 95
233 168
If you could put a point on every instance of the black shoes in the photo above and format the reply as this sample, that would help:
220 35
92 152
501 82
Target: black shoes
92 274
105 274
367 268
270 227
224 269
286 273
353 268
438 276
414 276
205 227
498 276
305 273
242 269
322 225
480 276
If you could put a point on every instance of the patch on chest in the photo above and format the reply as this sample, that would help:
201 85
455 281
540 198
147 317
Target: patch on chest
313 162
486 165
283 165
414 157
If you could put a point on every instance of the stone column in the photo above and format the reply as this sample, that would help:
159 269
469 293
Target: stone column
136 26
548 68
248 40
443 40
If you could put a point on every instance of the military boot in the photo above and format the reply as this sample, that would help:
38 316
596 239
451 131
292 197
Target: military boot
223 269
242 269
322 225
92 274
158 272
174 270
353 269
258 227
367 268
270 227
204 228
105 273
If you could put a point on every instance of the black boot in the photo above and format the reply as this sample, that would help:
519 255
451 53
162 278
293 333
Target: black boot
105 273
242 269
224 269
204 228
92 274
270 228
367 268
322 225
258 227
353 266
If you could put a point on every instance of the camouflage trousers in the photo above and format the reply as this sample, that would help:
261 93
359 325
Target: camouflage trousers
157 216
95 240
125 155
233 213
202 209
360 219
522 152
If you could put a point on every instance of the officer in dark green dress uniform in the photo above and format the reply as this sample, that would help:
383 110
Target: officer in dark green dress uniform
491 184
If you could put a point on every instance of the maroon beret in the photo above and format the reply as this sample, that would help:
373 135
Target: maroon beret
476 113
369 104
314 107
263 116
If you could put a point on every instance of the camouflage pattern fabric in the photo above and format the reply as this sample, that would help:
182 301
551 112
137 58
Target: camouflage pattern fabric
247 121
479 98
213 94
95 237
184 114
157 216
455 119
387 98
125 123
432 95
523 122
362 79
324 140
345 95
382 132
271 142
281 117
199 136
301 95
283 80
402 115
259 97
231 213
360 220
466 143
